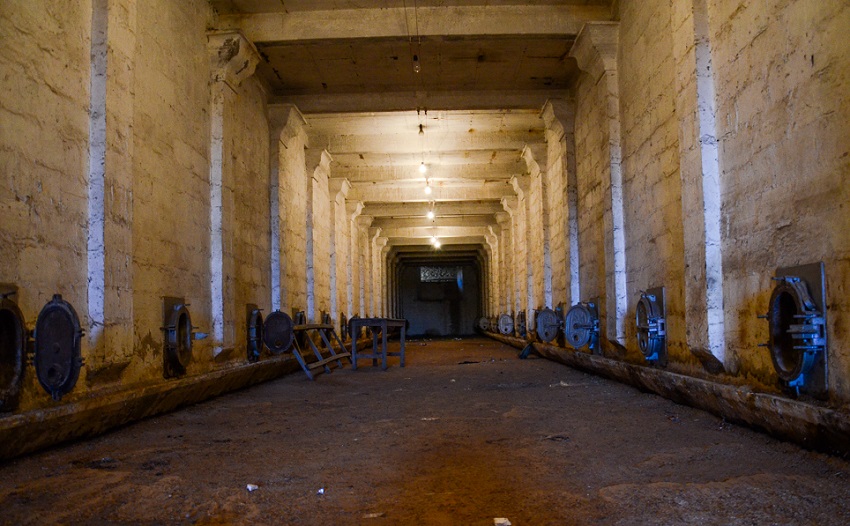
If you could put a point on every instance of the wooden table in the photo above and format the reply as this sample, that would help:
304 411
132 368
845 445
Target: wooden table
376 324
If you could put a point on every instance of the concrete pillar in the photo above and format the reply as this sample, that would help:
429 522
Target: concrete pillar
373 285
362 246
318 227
537 215
338 188
699 169
492 278
559 118
595 50
287 206
232 60
507 257
383 290
522 240
109 326
353 270
520 275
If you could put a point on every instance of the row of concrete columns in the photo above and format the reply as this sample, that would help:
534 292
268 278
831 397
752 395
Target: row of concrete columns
534 251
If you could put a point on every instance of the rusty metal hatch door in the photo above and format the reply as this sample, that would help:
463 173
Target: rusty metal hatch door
278 332
255 332
57 347
506 324
13 348
178 337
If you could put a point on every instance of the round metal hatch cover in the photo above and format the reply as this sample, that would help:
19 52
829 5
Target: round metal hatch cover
647 316
278 333
790 306
255 335
483 323
13 341
506 324
548 325
578 326
178 339
57 347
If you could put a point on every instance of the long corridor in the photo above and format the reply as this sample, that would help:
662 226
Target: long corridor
466 433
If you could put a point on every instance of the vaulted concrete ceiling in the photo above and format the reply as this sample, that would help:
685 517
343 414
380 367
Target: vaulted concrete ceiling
367 74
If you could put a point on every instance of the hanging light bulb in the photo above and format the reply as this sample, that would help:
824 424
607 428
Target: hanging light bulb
430 214
437 244
416 67
434 240
427 187
422 167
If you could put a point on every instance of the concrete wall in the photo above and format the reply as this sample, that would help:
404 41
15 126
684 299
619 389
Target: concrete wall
651 183
440 309
44 156
108 163
773 78
591 167
783 117
251 250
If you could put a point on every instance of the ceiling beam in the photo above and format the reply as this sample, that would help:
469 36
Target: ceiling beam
465 174
439 222
433 100
450 209
425 232
406 241
394 192
408 140
398 22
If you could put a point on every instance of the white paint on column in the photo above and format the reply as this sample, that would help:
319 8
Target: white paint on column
617 215
274 219
96 251
216 224
311 277
707 111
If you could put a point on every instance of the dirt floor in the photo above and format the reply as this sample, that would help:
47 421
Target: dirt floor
465 434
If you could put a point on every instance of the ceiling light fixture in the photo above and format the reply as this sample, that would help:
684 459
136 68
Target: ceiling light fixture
430 215
427 187
422 167
437 244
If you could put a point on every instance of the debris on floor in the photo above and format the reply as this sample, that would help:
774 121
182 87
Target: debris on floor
321 491
557 438
374 515
501 521
252 487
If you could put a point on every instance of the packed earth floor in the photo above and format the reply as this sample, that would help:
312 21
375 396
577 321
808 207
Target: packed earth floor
466 433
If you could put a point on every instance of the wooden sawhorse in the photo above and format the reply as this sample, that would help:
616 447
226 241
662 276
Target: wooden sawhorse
327 334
